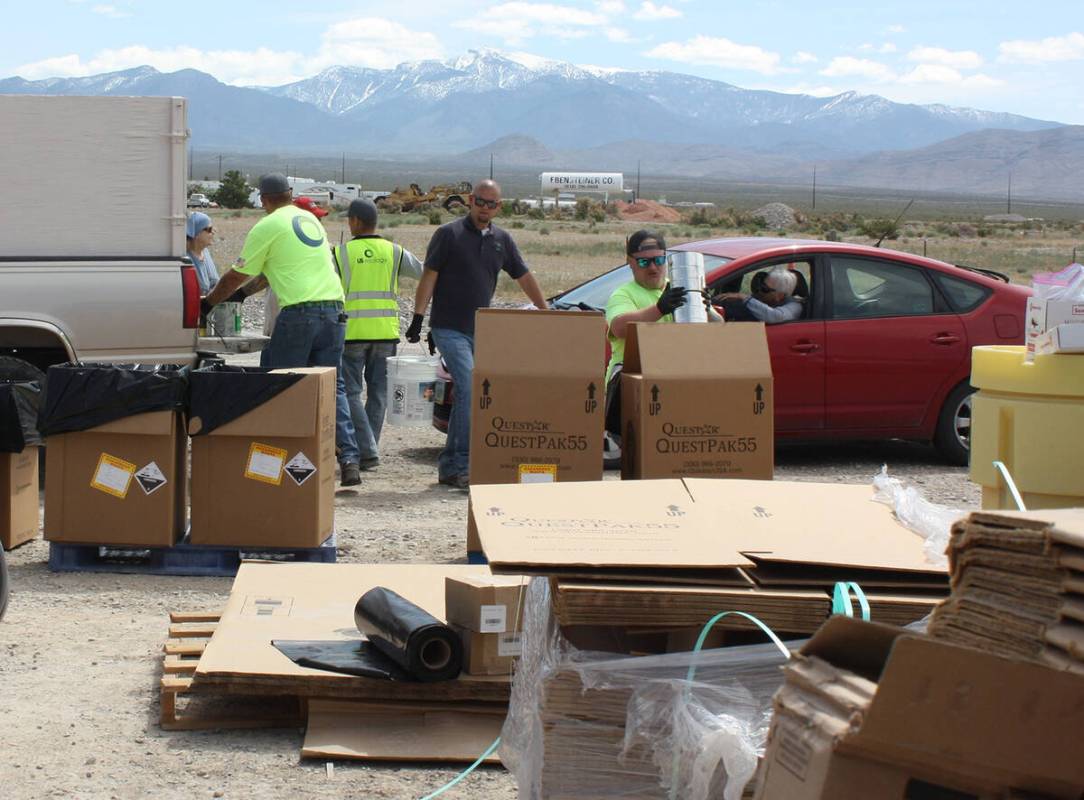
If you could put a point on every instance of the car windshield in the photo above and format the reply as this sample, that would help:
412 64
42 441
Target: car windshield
595 293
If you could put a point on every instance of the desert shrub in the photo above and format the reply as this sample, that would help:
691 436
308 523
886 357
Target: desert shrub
543 231
435 217
880 229
516 223
536 213
831 235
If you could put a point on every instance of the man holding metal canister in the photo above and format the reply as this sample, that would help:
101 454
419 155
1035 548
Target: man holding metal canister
648 297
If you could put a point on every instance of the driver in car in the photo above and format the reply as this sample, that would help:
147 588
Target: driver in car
772 300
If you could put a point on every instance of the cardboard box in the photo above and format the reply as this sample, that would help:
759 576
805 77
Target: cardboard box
489 653
1065 338
485 603
1042 315
867 710
696 400
18 497
122 483
267 478
538 398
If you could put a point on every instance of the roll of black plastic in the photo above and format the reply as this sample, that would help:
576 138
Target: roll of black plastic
423 646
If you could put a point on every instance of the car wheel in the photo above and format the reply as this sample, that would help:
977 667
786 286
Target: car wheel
953 437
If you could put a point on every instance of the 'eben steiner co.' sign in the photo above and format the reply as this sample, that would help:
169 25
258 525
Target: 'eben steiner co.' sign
582 181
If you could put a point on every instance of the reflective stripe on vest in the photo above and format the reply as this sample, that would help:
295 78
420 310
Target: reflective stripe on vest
370 276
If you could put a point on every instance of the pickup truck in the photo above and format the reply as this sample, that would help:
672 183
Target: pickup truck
197 200
77 285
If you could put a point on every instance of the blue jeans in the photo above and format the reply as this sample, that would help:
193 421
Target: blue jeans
311 335
365 366
457 349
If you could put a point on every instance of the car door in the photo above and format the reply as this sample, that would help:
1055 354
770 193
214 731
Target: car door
797 349
892 344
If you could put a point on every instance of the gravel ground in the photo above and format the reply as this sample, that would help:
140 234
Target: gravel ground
80 654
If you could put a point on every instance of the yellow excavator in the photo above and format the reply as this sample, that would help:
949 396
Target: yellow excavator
446 194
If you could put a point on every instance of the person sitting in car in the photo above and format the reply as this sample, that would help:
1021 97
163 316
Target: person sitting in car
772 299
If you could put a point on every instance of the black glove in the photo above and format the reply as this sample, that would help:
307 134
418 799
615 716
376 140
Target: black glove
672 297
432 345
204 308
414 332
237 297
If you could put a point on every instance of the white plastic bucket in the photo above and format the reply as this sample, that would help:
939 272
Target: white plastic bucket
687 270
411 382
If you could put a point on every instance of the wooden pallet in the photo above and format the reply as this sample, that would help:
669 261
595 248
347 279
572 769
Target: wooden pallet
186 705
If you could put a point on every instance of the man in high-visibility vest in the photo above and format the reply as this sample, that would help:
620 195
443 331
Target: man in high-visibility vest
370 266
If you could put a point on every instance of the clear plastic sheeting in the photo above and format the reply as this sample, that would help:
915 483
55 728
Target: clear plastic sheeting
595 725
931 521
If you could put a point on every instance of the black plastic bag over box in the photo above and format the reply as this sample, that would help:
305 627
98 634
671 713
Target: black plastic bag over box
222 393
82 396
19 405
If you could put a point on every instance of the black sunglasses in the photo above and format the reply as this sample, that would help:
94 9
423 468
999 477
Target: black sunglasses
658 261
483 203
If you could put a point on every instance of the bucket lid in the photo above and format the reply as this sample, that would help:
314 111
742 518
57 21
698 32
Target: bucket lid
1003 368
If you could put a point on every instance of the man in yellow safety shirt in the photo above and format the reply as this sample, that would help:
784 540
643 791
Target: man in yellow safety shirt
370 266
288 251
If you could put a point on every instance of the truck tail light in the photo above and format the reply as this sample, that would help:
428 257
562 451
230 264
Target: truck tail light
190 300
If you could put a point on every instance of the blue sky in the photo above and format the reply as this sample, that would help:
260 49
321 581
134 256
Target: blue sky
1025 58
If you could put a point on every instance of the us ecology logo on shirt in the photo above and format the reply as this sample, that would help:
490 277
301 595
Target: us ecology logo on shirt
302 222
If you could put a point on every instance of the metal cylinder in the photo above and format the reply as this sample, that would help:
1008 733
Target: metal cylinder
687 271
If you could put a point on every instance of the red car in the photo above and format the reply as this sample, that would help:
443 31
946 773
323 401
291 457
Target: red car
883 350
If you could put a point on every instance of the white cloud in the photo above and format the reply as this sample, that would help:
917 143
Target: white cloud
948 76
618 35
610 7
718 52
896 29
110 11
887 47
650 11
1053 48
849 66
802 57
369 42
514 22
957 59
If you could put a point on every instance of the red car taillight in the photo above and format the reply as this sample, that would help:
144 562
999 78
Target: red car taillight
190 299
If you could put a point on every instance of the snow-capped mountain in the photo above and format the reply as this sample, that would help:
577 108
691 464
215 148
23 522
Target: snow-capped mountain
428 108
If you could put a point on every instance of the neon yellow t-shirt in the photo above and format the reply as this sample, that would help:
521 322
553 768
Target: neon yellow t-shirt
289 247
628 297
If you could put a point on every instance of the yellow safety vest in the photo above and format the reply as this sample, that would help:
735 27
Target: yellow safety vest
369 269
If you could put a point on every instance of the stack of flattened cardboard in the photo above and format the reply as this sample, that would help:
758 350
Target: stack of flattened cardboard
395 720
669 554
1018 586
868 711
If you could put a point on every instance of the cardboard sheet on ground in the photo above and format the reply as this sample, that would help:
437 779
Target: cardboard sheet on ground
601 524
373 732
316 602
779 524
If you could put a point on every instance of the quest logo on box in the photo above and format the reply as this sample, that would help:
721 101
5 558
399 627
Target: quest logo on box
531 435
706 439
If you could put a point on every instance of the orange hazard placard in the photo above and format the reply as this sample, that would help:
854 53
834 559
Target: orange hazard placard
537 473
113 475
265 463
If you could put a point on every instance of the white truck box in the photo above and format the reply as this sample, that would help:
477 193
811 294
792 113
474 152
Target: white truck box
93 177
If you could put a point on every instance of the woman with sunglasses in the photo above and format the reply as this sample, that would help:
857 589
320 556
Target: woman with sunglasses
199 236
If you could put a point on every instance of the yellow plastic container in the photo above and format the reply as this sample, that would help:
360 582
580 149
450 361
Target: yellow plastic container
1031 418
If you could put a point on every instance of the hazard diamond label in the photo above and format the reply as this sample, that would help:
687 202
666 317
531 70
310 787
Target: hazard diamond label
300 468
151 478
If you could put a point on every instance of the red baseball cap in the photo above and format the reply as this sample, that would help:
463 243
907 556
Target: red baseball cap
309 205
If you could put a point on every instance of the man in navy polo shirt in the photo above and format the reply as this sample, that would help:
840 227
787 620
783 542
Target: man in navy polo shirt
461 268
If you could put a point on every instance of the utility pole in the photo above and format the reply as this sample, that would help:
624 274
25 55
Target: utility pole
344 168
491 166
1008 197
191 155
814 187
220 168
637 180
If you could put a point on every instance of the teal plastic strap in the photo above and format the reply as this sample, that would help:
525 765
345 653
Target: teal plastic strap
489 751
841 599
